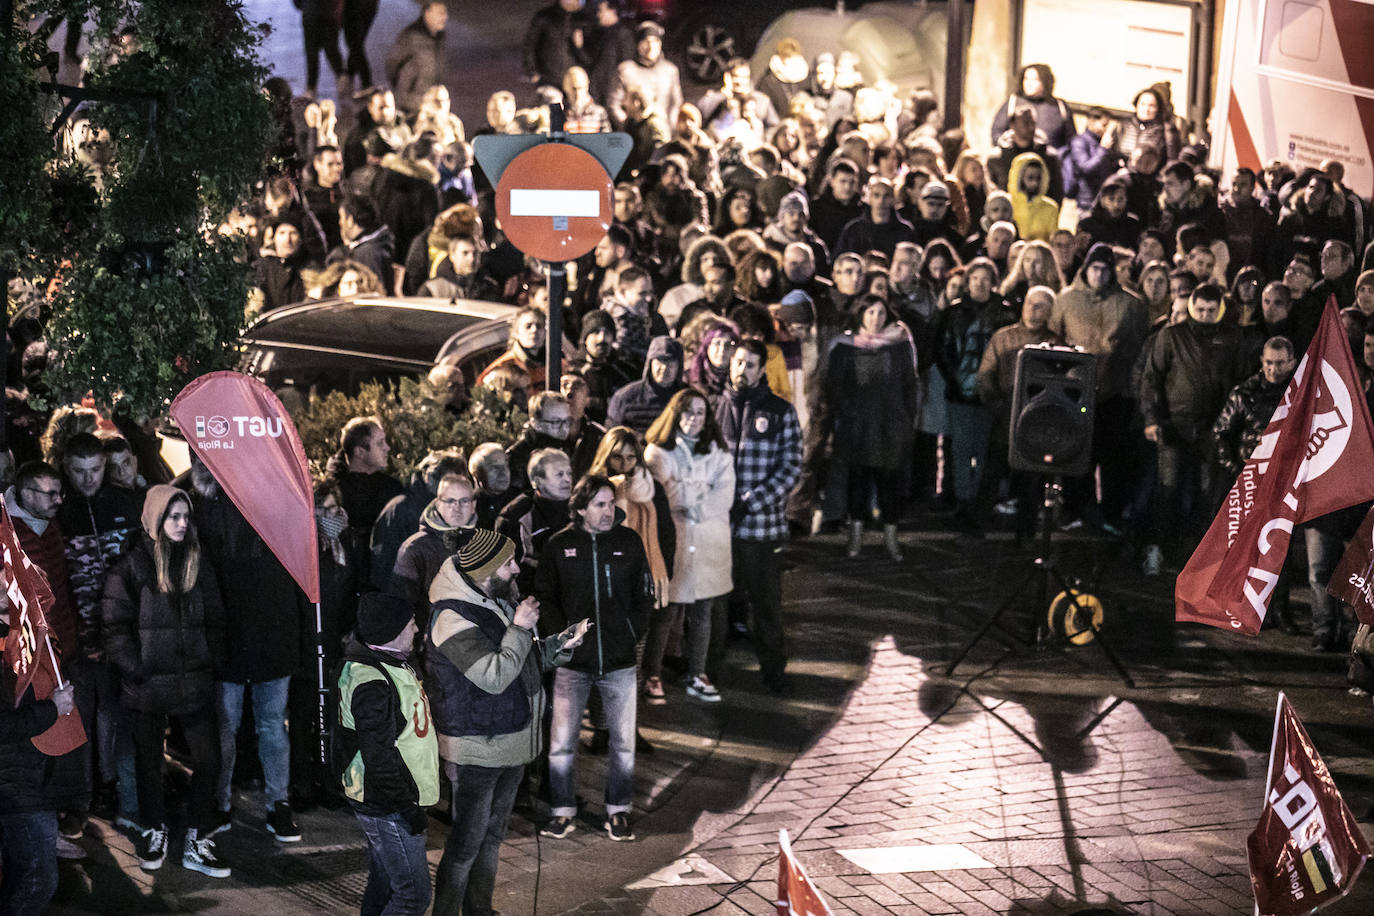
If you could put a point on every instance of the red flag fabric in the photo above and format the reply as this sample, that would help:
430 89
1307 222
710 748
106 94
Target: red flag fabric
1351 582
797 896
1306 851
29 598
1316 456
28 649
241 432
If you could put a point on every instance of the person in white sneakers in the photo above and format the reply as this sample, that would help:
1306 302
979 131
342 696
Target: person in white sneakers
688 458
163 624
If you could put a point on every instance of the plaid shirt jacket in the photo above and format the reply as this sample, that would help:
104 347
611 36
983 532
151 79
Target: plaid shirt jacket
763 435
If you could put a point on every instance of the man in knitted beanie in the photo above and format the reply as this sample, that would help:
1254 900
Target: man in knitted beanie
485 667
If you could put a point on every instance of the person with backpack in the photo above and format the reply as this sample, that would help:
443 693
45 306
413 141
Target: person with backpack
386 753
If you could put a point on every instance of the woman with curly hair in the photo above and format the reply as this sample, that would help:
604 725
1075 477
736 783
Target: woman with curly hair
738 209
759 278
346 278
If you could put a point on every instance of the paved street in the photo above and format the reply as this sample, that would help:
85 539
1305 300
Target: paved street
1033 781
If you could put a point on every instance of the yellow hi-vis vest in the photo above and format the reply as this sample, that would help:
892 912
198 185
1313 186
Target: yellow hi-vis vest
417 743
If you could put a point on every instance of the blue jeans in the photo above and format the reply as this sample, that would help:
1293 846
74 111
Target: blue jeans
28 857
274 748
970 425
97 697
1324 549
618 693
398 879
482 801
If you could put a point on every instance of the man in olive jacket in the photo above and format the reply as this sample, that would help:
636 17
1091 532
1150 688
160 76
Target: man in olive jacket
484 665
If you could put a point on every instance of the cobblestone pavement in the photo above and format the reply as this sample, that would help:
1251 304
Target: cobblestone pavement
1032 781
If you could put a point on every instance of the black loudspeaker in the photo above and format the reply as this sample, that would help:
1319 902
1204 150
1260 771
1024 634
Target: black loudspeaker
1052 411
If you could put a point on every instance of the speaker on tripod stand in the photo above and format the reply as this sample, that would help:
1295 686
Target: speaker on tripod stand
1052 411
1052 434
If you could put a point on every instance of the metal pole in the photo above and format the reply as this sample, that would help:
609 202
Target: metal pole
558 284
954 64
553 336
323 690
56 671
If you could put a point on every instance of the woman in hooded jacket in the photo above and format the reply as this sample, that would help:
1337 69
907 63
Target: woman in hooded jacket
164 632
687 457
872 396
710 369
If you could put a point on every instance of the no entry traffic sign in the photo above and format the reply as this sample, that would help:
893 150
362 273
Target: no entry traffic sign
554 201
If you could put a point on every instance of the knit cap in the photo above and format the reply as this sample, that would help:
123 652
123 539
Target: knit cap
382 617
484 553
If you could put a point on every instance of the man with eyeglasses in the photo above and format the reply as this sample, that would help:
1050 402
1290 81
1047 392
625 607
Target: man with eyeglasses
550 426
443 524
401 517
32 503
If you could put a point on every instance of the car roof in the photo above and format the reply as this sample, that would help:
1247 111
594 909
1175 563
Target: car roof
408 329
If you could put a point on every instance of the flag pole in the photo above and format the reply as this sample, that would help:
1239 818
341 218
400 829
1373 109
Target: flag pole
1269 770
322 691
56 671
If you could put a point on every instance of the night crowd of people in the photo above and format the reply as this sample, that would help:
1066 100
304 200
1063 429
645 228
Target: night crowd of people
806 313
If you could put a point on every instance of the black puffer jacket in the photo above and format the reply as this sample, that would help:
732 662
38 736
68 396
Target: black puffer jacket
162 645
604 577
263 605
1247 412
24 769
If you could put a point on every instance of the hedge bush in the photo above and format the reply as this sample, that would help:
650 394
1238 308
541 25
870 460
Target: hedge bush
415 420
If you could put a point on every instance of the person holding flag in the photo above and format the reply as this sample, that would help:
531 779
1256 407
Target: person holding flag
1316 456
28 819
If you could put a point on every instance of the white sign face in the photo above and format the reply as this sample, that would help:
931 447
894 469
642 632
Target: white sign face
537 202
1132 43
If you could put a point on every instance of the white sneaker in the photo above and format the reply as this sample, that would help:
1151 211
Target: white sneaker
199 855
701 688
1154 561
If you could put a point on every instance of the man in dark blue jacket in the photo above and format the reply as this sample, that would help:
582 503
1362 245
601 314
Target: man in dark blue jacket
1090 159
596 570
638 404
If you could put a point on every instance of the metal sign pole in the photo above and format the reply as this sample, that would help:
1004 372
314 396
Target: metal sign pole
553 336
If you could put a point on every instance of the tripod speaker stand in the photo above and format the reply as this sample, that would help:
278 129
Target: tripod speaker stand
1044 570
1051 433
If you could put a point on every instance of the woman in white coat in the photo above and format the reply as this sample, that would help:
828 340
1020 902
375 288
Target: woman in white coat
688 458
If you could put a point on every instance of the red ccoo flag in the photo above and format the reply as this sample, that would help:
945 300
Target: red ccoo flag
28 647
1316 456
1306 851
797 896
26 590
1353 579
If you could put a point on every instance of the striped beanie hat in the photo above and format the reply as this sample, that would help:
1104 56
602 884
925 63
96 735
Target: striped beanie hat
484 553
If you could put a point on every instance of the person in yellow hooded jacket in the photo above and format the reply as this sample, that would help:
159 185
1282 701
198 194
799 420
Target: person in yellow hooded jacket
1035 213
